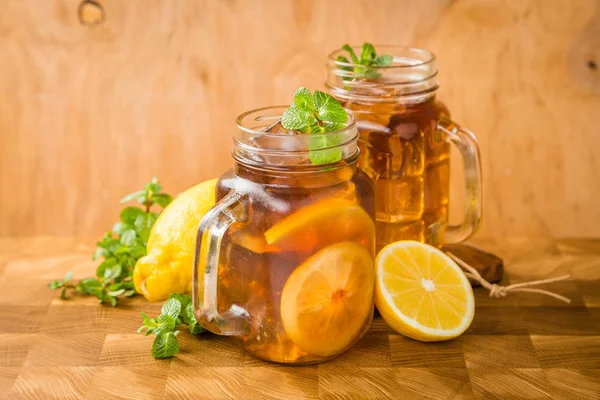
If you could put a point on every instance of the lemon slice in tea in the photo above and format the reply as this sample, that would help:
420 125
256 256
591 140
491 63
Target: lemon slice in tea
327 302
320 224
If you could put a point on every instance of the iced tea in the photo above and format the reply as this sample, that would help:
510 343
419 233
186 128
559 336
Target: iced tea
303 248
409 165
402 146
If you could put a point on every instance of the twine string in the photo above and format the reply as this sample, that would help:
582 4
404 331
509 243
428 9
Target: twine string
499 291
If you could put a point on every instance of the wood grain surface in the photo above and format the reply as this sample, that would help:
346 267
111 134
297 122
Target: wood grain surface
522 347
90 111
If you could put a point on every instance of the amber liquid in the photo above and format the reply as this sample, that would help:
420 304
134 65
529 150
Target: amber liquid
252 273
408 160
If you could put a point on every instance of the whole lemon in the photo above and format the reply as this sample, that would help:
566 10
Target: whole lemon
167 267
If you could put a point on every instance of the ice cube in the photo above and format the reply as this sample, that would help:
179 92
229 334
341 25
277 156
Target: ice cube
365 125
295 147
278 129
403 127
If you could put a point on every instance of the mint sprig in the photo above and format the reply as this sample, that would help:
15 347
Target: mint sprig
363 66
176 311
120 249
317 113
165 345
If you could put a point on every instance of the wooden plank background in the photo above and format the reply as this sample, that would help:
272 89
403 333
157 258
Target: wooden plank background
88 113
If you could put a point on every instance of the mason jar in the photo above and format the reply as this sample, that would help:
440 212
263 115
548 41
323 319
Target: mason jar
405 137
285 259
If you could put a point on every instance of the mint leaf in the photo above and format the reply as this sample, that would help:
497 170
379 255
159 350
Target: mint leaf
90 286
296 119
128 237
344 60
192 322
147 321
333 126
165 345
367 56
57 284
63 284
345 67
328 108
303 99
100 252
104 265
143 224
153 187
120 227
325 156
184 299
68 276
115 292
166 323
106 247
350 51
384 60
136 251
123 250
149 324
113 272
140 194
162 199
130 214
370 73
318 156
172 308
195 328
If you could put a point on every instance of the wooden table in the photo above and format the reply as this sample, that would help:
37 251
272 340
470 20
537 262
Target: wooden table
523 346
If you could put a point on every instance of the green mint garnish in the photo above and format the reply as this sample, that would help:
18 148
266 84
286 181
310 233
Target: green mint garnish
120 248
172 308
368 59
316 114
176 311
165 345
324 156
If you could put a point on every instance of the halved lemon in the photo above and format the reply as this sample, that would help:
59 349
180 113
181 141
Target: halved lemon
320 224
327 302
421 293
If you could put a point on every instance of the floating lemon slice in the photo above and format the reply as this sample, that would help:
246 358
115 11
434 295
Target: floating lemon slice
256 243
320 224
421 293
327 302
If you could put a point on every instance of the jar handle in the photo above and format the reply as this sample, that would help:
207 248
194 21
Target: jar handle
211 229
466 143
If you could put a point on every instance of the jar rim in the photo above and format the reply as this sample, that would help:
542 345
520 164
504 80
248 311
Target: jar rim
252 145
398 53
411 77
276 115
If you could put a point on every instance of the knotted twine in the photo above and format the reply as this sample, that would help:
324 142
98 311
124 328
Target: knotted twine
499 291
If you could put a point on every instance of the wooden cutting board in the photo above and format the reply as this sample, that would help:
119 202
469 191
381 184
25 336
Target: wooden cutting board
523 346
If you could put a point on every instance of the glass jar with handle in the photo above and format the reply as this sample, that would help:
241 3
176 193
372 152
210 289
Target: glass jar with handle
405 137
285 259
